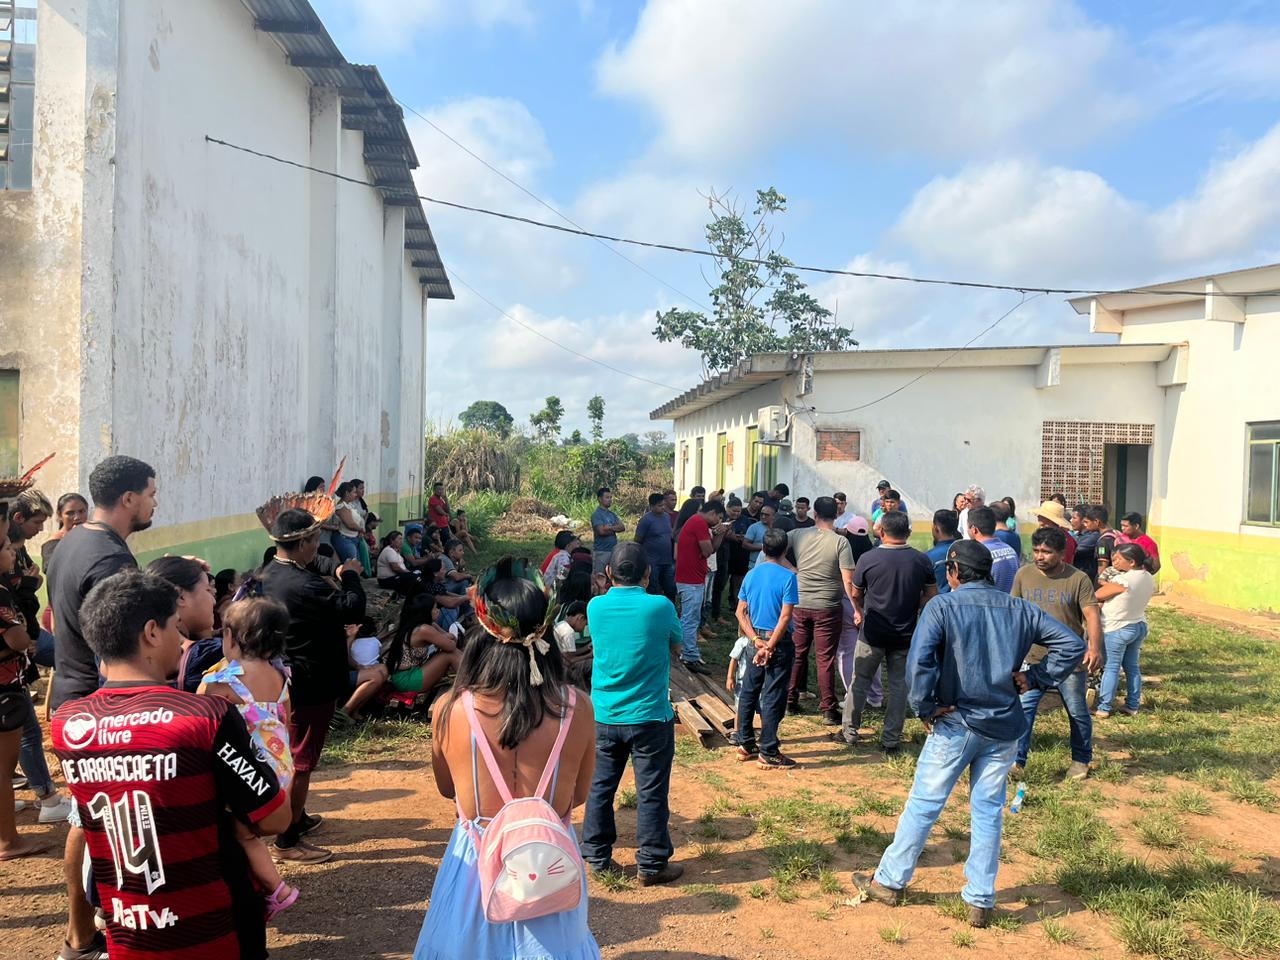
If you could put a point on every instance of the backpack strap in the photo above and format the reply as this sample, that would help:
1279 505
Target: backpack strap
553 761
468 705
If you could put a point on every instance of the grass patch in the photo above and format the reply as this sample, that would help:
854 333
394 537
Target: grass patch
374 739
757 891
963 939
717 898
1156 937
1237 918
1192 801
615 881
626 799
1161 831
953 908
709 852
1005 922
766 933
797 861
829 882
1056 931
785 892
893 934
862 837
1240 786
690 753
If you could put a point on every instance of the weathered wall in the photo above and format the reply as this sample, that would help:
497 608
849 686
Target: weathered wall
731 417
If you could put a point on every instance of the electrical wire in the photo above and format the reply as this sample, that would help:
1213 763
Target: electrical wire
695 251
538 333
1026 295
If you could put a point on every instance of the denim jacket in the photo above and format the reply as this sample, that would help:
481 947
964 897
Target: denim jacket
966 647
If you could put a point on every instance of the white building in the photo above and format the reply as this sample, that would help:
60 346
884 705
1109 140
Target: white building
1178 419
238 323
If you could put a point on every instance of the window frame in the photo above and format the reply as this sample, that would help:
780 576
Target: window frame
1250 444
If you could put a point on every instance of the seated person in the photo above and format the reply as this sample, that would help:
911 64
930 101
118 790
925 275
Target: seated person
575 643
422 654
412 548
452 605
558 560
367 673
456 577
462 531
393 574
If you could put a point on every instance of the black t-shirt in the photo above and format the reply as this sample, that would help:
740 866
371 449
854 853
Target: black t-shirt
87 555
740 556
892 580
806 522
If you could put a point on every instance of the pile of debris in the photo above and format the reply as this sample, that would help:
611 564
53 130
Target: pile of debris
529 517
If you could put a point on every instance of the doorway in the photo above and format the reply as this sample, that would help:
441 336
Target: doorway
1125 469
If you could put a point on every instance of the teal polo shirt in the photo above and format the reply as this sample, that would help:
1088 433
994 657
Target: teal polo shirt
632 632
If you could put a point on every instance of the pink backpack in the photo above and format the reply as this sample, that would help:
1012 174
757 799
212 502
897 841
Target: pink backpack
528 859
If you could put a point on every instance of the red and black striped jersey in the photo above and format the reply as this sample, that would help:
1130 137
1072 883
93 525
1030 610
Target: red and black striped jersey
153 771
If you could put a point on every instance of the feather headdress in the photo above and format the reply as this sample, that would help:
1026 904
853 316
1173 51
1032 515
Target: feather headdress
12 486
319 504
504 626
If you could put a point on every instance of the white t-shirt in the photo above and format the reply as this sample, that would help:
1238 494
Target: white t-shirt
743 652
365 650
964 524
390 563
566 637
357 515
1129 607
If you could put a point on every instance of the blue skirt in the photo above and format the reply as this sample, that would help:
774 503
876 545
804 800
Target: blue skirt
455 927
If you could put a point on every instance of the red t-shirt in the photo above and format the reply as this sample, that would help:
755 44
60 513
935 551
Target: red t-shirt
691 565
438 512
153 772
1069 554
1146 543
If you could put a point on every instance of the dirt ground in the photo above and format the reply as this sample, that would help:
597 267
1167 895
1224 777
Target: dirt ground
388 827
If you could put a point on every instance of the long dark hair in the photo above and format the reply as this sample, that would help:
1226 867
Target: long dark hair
502 669
416 612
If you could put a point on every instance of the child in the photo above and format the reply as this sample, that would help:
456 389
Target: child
744 650
366 673
462 531
570 632
253 678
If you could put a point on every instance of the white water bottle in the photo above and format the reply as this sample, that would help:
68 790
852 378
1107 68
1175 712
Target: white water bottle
1018 797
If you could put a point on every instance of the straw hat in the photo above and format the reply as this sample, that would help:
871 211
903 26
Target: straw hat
1054 511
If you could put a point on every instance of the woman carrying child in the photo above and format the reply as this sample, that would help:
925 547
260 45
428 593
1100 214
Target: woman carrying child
253 677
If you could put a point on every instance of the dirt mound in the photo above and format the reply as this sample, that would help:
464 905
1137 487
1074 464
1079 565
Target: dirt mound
524 526
531 506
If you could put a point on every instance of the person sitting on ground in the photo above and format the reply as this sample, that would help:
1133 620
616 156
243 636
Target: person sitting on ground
1124 598
1003 532
578 584
1131 532
412 547
369 553
253 678
421 654
313 484
452 605
1005 563
367 673
501 733
632 632
573 636
192 771
461 529
558 560
393 573
768 597
455 567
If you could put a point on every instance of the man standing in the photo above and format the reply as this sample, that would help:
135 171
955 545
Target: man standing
697 542
721 574
1009 537
785 518
753 540
653 532
671 498
123 491
1064 593
315 649
1131 532
946 531
691 507
843 514
769 595
824 569
890 586
884 490
1095 522
965 683
1054 516
775 496
974 496
606 526
739 555
982 527
160 797
631 631
803 520
438 514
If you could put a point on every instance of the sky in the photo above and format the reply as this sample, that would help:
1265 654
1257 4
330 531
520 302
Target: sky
1042 142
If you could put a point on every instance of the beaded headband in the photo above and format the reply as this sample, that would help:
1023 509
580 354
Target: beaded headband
503 626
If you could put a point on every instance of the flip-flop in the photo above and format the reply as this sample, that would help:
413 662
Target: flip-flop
282 899
25 848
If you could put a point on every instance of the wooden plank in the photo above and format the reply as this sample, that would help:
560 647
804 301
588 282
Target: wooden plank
716 711
690 717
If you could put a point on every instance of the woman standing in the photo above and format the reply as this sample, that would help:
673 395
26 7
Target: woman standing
72 510
513 676
1124 597
346 540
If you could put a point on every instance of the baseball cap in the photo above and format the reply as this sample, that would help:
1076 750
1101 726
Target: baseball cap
883 485
972 554
786 505
857 526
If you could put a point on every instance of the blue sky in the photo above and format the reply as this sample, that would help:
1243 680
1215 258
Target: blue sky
1041 142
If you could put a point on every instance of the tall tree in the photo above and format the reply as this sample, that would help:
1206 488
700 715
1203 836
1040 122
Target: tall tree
546 422
760 304
595 411
487 415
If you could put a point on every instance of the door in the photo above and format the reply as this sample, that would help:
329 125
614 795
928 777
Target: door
722 463
697 462
753 460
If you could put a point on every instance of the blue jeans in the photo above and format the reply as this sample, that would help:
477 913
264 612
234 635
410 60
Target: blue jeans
44 649
31 755
691 595
765 688
1072 691
951 749
652 749
1122 648
347 548
662 580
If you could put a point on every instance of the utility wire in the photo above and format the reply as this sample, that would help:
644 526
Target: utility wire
1026 295
525 190
538 333
677 248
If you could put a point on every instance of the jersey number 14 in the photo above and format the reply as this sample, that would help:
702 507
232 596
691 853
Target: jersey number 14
130 826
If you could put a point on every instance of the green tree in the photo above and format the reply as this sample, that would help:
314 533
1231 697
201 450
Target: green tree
546 422
595 411
487 415
760 304
575 439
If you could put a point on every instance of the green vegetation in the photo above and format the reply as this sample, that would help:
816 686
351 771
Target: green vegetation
893 934
963 939
377 739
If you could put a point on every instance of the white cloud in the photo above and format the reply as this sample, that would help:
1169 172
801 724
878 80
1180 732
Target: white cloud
391 25
946 78
1217 61
646 205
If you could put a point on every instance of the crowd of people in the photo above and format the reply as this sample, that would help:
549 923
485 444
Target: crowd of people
189 709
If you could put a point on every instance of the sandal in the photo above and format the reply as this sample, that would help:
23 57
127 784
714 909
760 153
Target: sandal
23 848
282 899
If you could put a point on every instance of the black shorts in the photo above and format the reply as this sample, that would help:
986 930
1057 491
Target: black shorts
15 707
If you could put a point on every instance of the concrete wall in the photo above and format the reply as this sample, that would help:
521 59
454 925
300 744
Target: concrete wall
731 417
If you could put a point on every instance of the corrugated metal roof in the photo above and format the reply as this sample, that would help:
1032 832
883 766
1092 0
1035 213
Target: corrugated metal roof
368 106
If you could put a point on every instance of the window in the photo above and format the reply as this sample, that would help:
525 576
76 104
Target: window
9 420
1262 497
768 466
17 92
722 459
684 464
753 459
839 445
697 462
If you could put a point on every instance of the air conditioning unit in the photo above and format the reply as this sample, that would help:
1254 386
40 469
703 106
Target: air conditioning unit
774 425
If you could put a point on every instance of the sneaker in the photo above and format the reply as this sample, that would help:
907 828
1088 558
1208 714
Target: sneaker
832 718
301 852
775 761
611 867
1016 772
1127 711
874 890
97 950
980 916
669 873
20 805
1077 771
891 752
19 781
309 824
746 753
806 695
1101 714
54 812
837 736
697 666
